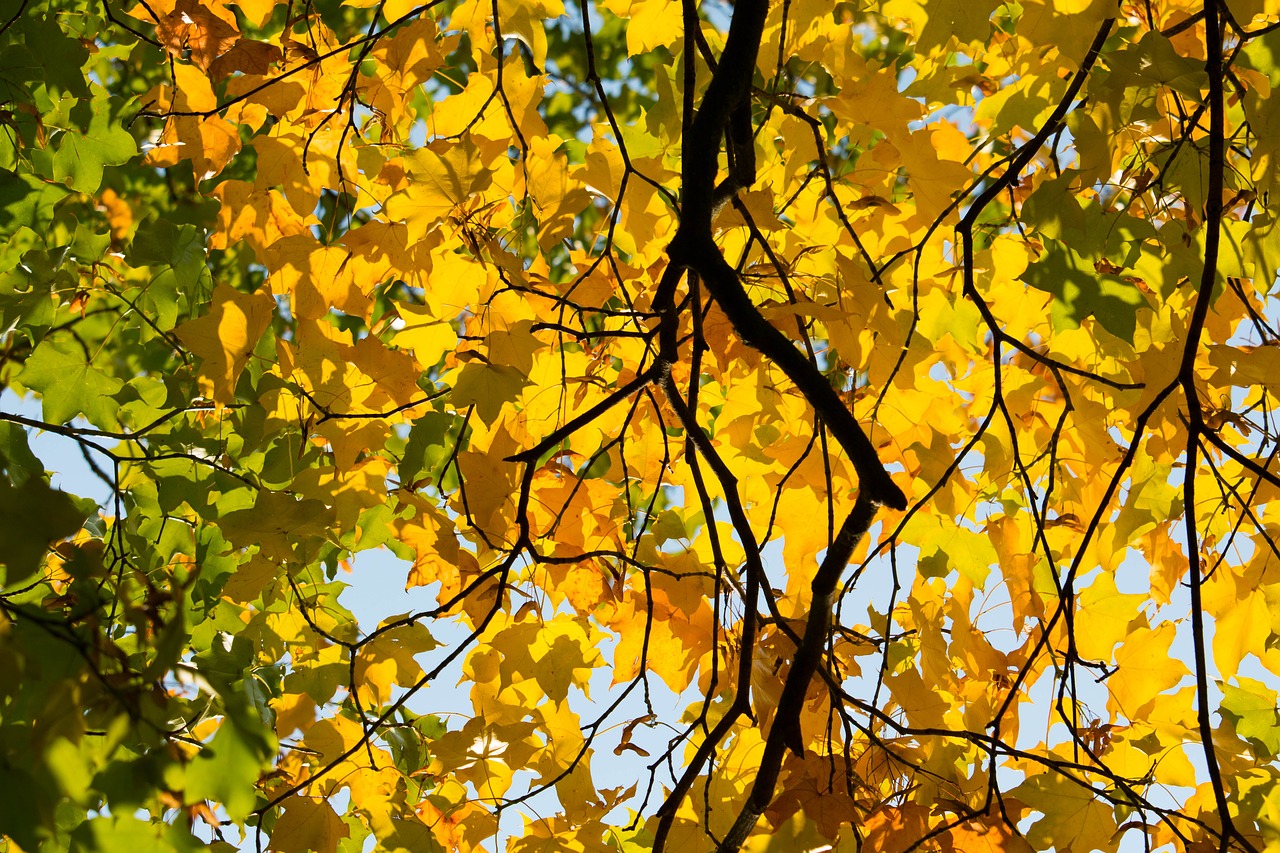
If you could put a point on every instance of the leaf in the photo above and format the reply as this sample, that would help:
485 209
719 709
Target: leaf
1081 290
61 56
430 443
69 384
79 158
796 833
226 769
277 523
1108 615
1245 628
225 337
936 23
127 834
308 825
177 257
411 836
1255 710
246 56
651 23
488 387
16 458
194 31
33 516
388 659
28 293
1073 818
429 339
1145 669
27 200
444 177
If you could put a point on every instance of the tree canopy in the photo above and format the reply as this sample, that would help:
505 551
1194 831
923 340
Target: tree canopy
810 425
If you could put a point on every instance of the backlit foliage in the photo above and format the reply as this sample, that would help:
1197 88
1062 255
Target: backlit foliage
802 424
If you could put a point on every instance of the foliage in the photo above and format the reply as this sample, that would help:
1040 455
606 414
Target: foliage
817 424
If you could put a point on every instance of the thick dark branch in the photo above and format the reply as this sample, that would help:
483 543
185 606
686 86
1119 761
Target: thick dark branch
725 115
730 86
693 247
741 150
785 733
1213 67
756 331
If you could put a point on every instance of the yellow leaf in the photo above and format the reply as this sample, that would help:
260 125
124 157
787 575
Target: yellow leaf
989 836
196 32
1245 628
1104 614
1073 818
260 218
444 176
1144 670
258 12
677 642
429 338
308 825
318 277
651 23
208 141
923 703
388 659
332 737
488 387
225 337
281 164
431 534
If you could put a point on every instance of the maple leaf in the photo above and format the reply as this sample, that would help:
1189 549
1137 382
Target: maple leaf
195 31
308 825
443 177
225 337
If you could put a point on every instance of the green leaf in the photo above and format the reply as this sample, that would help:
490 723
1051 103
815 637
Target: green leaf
128 834
27 200
60 56
28 293
161 243
24 809
179 269
1080 290
80 157
16 457
275 522
32 515
69 385
88 247
430 442
1253 709
227 769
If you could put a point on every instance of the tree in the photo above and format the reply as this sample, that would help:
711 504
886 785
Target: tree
886 387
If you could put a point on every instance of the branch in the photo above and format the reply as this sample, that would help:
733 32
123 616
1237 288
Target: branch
1213 67
694 248
785 733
